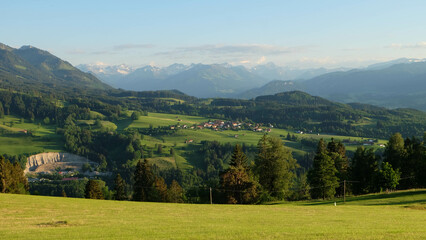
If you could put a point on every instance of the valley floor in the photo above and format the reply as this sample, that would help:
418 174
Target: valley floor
398 215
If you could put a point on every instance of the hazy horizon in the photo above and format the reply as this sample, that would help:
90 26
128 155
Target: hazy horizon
311 34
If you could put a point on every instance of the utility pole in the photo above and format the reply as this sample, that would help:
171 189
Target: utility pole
211 198
344 191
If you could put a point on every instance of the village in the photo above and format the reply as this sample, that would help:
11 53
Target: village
218 125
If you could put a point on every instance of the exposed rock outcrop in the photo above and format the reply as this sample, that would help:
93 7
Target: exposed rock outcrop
46 162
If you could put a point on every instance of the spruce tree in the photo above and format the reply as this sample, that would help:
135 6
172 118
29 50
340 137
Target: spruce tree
337 152
159 193
143 182
275 166
120 188
364 170
12 178
93 190
322 176
1 110
175 193
237 183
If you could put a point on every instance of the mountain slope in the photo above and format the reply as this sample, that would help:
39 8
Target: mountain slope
400 85
296 98
216 80
61 71
271 88
271 71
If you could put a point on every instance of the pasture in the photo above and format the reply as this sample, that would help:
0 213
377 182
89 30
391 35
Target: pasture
399 215
14 140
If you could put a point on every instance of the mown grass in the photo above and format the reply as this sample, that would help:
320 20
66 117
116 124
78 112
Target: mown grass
36 217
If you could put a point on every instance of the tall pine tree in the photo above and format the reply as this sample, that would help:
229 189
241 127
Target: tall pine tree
12 179
337 152
120 188
143 182
237 181
93 190
175 193
322 176
364 170
275 167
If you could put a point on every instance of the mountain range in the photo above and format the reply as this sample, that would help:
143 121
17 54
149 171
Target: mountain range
200 80
394 84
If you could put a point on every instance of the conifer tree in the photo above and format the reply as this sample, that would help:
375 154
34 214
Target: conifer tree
364 170
120 188
337 152
159 193
1 110
322 176
175 193
143 182
12 179
237 181
93 190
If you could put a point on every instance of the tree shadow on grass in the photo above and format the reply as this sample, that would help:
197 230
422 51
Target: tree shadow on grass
388 199
123 124
192 156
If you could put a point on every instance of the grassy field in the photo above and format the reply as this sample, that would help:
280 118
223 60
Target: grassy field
15 141
398 215
163 119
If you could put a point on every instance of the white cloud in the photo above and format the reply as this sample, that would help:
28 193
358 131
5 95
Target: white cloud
404 46
131 46
261 60
235 50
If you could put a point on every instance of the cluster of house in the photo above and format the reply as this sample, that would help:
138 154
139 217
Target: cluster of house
366 142
218 125
48 180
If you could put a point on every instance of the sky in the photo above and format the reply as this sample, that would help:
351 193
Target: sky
293 33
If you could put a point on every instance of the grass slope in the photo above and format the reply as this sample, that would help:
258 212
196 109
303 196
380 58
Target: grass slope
15 141
386 216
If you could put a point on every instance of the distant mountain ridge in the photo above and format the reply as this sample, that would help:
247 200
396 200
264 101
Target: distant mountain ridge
222 80
394 84
273 87
400 85
271 71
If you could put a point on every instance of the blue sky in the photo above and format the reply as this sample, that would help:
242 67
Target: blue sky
299 34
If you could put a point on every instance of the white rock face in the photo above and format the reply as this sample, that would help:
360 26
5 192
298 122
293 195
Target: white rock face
45 162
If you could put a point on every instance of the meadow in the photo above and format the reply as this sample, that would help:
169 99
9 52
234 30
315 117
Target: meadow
15 141
399 215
